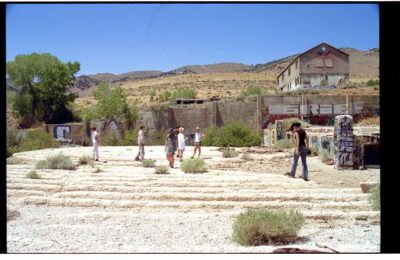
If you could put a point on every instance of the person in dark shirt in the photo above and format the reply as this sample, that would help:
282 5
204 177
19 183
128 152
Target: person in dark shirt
300 150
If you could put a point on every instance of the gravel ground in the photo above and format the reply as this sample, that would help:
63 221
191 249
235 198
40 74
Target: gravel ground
126 208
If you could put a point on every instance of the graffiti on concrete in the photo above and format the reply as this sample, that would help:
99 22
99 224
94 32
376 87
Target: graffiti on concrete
314 142
267 137
344 141
280 133
61 132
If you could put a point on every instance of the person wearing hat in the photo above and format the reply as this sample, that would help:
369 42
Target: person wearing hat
170 146
198 136
300 150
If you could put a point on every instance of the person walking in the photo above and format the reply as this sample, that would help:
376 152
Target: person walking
300 150
181 143
198 136
170 146
176 145
140 155
94 136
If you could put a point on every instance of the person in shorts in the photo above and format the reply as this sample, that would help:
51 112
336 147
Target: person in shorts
198 136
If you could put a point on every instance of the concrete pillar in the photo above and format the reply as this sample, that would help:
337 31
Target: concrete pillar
343 142
279 131
267 137
273 137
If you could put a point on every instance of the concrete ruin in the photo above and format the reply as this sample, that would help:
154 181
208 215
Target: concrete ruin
344 142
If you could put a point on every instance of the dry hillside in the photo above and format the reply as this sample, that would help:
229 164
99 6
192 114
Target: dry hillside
226 79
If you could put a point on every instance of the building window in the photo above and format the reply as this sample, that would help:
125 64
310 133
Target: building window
289 70
319 63
328 63
283 76
297 64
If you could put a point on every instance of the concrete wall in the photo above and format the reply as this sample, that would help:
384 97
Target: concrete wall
316 109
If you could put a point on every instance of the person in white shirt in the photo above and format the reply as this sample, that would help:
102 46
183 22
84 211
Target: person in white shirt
198 136
140 155
181 143
95 143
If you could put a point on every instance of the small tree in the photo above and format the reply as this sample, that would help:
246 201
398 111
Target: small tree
112 106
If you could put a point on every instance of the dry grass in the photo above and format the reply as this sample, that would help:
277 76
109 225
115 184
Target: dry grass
369 121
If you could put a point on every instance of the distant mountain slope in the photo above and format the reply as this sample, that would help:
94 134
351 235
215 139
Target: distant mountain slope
213 68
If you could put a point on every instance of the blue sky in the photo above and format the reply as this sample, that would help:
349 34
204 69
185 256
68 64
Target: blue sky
118 38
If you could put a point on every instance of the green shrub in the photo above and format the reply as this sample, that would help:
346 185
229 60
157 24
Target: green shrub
33 140
159 107
235 134
253 91
161 169
284 144
129 139
193 165
12 138
33 175
83 160
371 82
59 161
287 122
247 157
148 163
325 156
184 93
210 137
42 164
262 226
375 198
230 153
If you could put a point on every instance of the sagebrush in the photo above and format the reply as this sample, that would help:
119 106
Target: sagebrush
234 134
230 153
193 165
247 157
59 161
325 156
33 140
161 169
83 160
148 163
284 144
261 226
33 175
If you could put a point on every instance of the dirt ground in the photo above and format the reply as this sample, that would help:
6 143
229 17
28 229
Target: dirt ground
126 208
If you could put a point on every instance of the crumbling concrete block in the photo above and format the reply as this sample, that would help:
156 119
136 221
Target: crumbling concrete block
344 142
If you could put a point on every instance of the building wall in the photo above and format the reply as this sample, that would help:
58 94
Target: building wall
288 81
315 68
331 67
318 110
